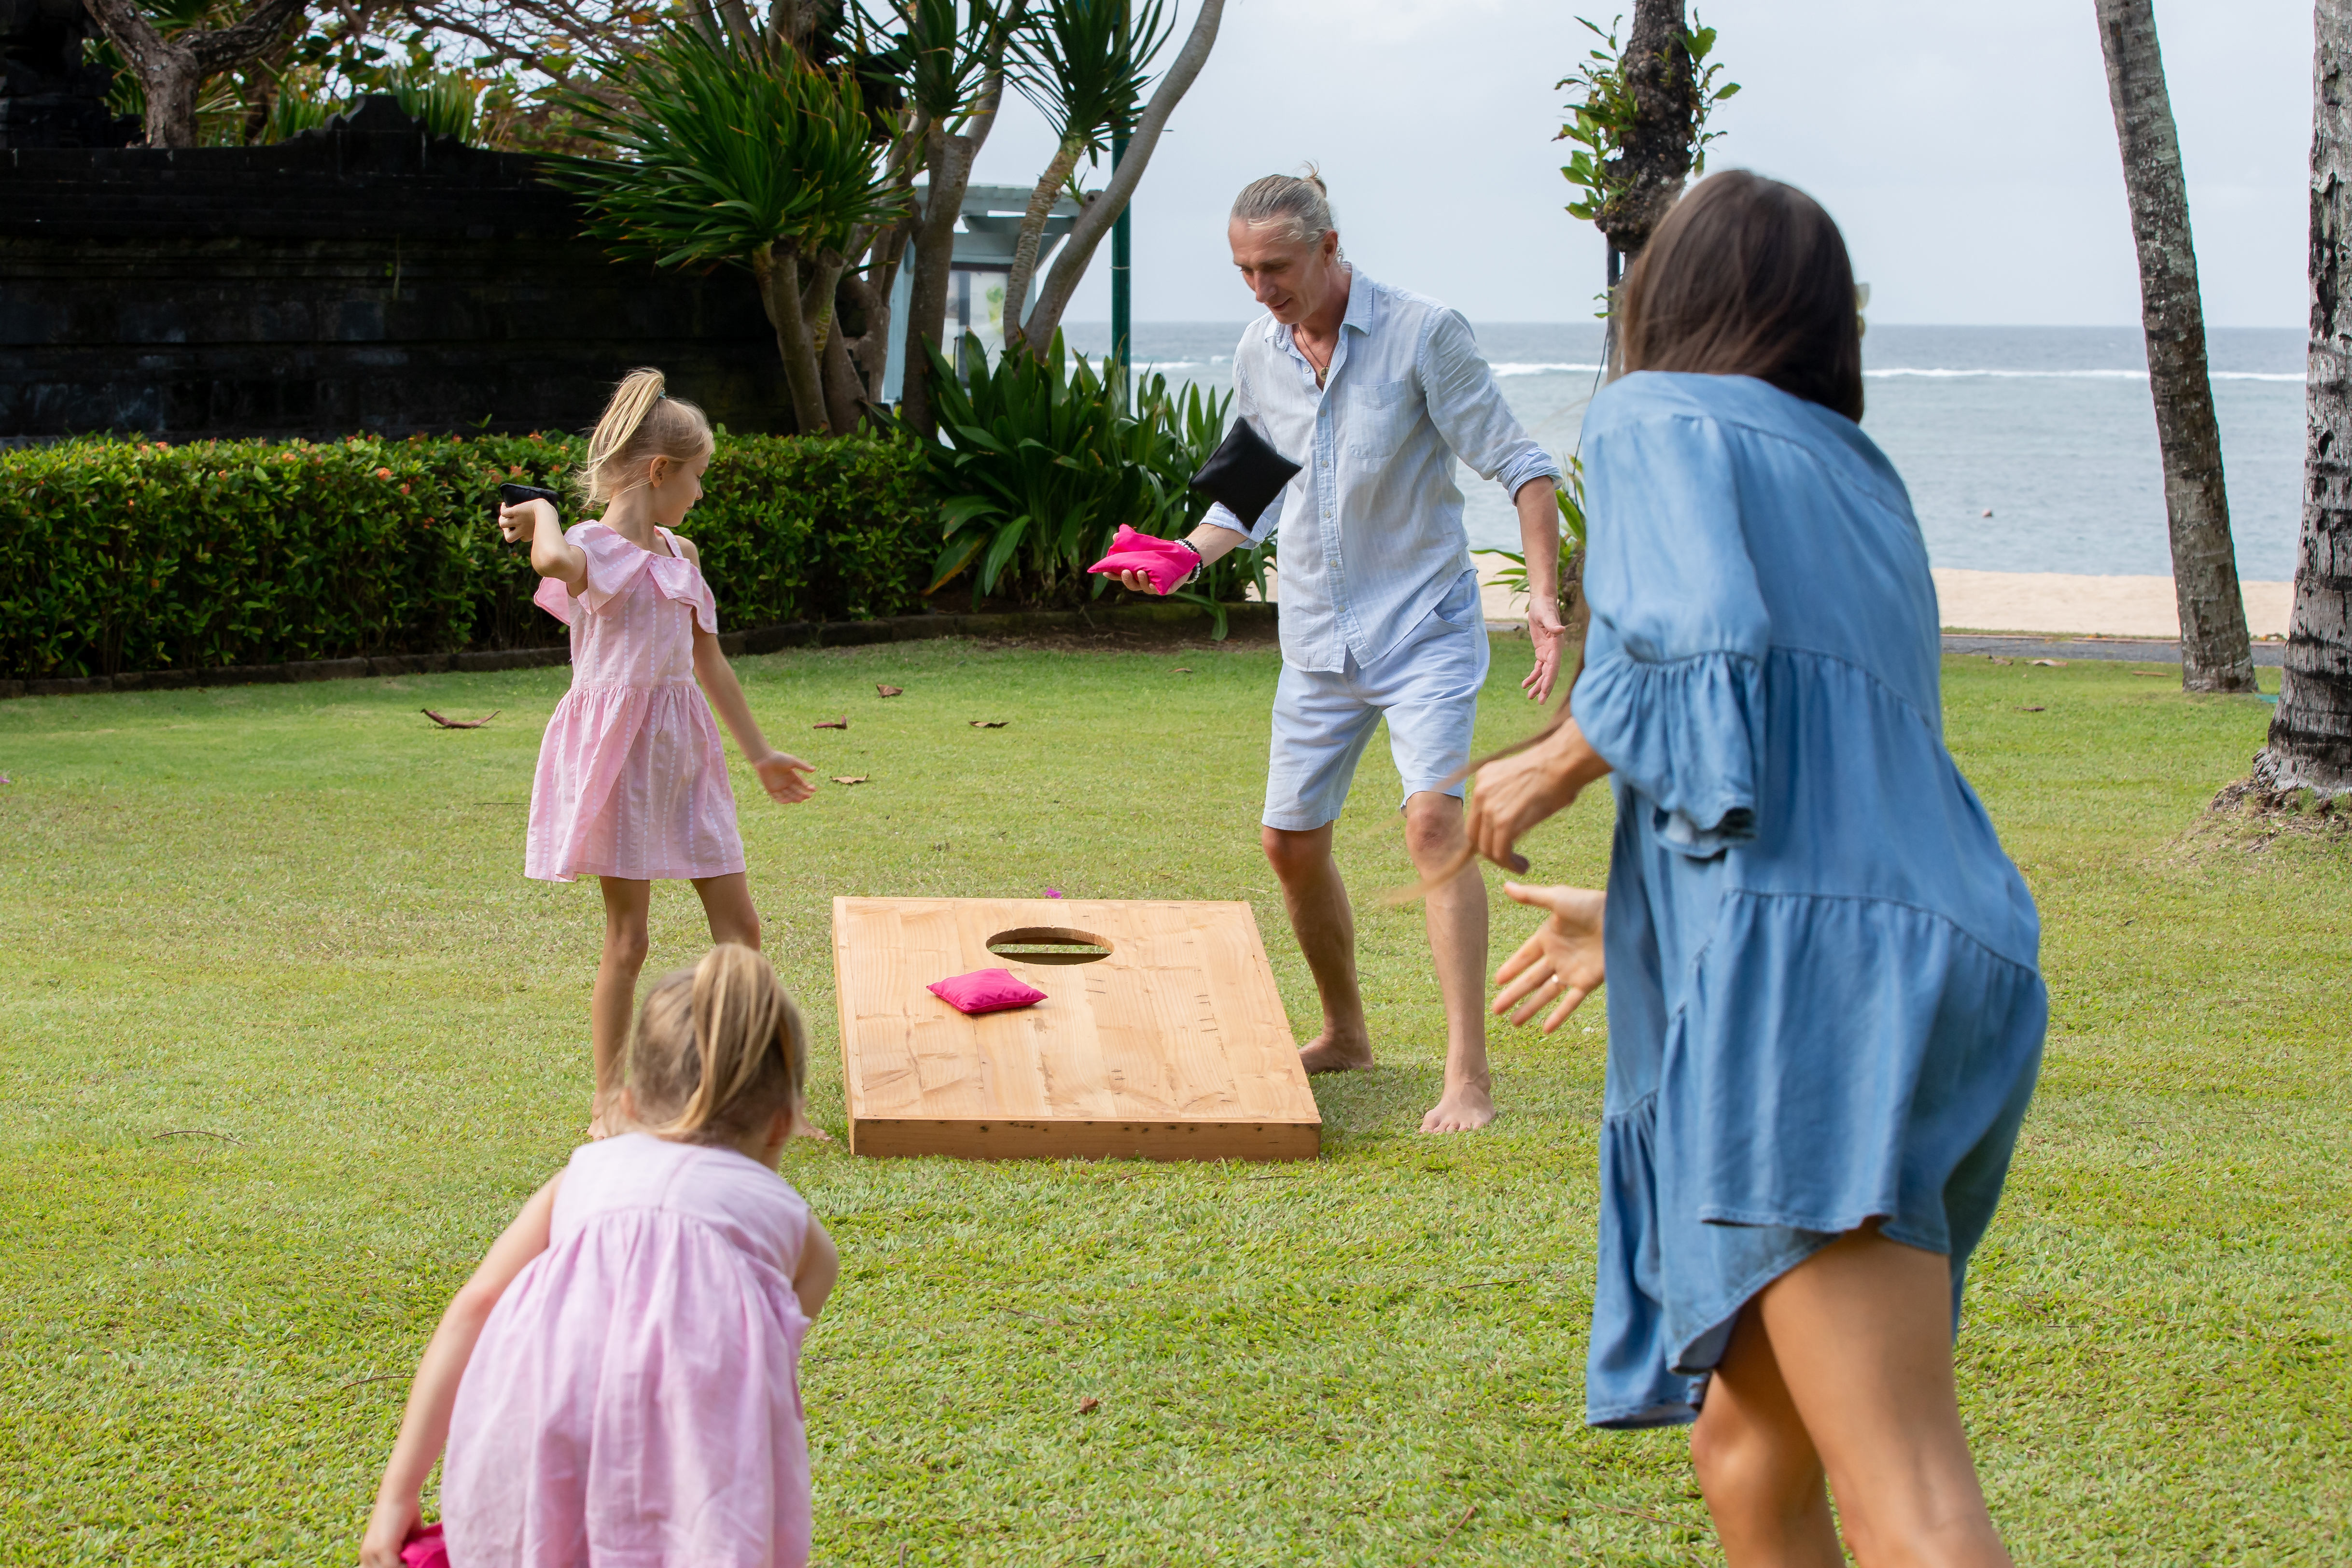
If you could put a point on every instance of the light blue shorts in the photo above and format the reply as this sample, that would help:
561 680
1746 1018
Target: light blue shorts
1426 687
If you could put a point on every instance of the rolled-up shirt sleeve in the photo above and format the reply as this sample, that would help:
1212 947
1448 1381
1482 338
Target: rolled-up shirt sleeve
1467 407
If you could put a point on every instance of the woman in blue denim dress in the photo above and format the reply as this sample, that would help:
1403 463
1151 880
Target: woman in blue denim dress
1825 1013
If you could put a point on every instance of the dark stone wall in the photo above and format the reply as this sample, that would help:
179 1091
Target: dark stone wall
366 278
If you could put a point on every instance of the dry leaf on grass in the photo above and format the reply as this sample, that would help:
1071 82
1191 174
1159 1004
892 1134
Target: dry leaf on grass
1182 670
882 691
2151 674
851 778
1089 1404
2033 711
461 723
2050 663
1998 659
988 723
840 723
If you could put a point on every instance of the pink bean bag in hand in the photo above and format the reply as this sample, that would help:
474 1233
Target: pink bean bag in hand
1164 561
425 1550
985 991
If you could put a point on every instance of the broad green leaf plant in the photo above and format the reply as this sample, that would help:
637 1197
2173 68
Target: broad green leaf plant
1040 465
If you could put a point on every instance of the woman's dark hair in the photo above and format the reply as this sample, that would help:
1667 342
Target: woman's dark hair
1748 277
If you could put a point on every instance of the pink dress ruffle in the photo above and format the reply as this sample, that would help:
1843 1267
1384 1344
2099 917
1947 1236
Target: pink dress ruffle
632 780
635 1397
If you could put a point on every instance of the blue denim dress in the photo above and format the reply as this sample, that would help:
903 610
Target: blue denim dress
1824 1000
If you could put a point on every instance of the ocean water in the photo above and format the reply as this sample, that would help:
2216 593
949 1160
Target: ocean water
2049 430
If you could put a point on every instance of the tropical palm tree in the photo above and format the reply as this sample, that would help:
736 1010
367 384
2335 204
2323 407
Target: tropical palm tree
2215 655
2310 744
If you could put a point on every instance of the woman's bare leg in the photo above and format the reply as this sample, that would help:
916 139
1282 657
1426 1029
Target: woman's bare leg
626 901
1763 1481
727 905
1861 1335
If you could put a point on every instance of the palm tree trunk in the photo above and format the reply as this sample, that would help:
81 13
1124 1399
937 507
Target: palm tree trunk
2215 655
2310 744
1033 235
1658 151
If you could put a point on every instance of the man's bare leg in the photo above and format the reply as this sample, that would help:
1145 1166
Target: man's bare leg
1326 928
1456 917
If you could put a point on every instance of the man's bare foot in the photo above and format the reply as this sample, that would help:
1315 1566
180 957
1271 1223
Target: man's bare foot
1465 1108
1326 1053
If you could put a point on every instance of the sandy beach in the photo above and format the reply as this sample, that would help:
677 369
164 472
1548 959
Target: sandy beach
2056 603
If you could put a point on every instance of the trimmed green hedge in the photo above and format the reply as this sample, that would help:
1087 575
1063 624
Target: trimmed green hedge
119 556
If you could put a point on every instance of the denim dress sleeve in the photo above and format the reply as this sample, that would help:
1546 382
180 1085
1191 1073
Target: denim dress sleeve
1672 690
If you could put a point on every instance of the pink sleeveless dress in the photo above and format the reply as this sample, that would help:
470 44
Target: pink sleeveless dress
634 1397
631 782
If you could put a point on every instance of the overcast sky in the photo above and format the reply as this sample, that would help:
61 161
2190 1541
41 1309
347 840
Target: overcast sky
1967 150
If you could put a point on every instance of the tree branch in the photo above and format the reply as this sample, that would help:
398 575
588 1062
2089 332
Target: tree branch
1095 222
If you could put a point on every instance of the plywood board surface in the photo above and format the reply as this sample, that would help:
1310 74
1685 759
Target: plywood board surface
1173 1044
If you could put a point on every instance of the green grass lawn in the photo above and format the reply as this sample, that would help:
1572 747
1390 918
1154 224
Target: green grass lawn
288 1036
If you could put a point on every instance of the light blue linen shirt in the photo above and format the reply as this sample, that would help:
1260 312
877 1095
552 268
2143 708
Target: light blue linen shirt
1374 534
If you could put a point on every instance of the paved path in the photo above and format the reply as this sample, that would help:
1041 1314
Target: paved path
2269 655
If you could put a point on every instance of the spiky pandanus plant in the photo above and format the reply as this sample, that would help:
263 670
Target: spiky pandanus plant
731 148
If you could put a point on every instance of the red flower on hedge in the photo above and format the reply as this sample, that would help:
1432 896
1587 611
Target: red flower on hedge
403 490
383 473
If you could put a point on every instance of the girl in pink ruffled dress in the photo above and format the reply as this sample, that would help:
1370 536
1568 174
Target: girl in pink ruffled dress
632 784
619 1382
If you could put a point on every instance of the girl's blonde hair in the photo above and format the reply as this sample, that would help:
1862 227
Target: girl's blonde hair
719 1050
643 422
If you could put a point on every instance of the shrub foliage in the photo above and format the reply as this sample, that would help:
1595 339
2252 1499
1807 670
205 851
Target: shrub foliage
120 555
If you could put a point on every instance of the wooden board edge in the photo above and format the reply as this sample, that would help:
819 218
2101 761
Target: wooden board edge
1014 1139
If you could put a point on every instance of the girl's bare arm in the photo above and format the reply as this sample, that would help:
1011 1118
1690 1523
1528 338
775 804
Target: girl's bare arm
551 555
820 1266
424 1424
780 775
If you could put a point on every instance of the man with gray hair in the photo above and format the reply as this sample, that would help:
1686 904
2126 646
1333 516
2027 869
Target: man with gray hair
1375 392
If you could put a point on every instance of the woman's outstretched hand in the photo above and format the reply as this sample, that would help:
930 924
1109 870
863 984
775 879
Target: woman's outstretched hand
782 777
1512 794
1562 962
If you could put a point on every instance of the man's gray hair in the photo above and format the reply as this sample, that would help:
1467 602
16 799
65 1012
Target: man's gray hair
1301 204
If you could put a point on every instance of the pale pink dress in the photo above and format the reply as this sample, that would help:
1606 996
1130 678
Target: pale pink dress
631 781
634 1401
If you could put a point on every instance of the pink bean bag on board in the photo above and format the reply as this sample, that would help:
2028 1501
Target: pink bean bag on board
1163 560
985 991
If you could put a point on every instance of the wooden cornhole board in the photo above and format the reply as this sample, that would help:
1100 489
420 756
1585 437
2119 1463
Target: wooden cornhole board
1173 1047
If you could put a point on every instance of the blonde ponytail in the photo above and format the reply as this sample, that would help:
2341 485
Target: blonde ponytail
641 423
718 1049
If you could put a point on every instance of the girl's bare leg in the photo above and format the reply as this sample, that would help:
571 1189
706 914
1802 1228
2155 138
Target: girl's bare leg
727 904
626 901
1763 1481
1860 1338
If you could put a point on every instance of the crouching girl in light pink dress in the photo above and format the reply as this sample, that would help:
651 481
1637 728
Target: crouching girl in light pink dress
619 1381
631 785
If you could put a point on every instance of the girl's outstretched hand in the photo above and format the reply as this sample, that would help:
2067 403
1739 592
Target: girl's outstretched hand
1560 962
389 1528
520 524
781 776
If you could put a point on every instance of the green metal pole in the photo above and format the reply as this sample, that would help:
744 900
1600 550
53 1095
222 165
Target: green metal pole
1122 251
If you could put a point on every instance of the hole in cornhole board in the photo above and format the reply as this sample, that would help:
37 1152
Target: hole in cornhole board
1162 1035
1049 944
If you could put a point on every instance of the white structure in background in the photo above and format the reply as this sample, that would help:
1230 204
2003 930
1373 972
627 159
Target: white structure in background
979 269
